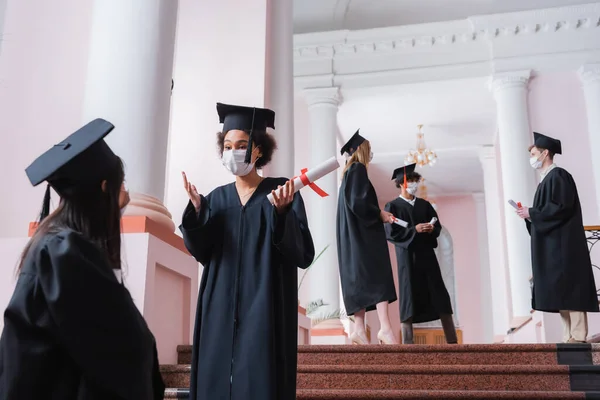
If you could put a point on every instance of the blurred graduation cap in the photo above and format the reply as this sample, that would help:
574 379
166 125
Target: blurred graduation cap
407 169
352 144
546 142
245 119
81 158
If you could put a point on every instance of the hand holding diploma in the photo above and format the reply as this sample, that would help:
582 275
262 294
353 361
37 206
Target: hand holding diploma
522 212
387 217
282 201
308 177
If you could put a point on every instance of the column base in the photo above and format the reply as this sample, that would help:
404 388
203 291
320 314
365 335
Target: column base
329 332
151 207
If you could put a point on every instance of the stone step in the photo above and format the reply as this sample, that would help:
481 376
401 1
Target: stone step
345 394
430 377
438 395
491 354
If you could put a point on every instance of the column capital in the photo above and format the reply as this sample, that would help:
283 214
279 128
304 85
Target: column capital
322 96
589 73
506 80
487 153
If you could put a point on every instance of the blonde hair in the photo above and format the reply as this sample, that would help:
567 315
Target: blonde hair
361 155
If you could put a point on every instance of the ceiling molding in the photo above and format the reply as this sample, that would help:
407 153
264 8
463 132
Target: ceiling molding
553 39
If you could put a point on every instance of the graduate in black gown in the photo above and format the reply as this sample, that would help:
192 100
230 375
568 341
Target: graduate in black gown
563 279
363 255
71 329
246 333
423 294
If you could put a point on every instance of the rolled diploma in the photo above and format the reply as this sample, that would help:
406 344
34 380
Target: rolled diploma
400 222
313 174
433 221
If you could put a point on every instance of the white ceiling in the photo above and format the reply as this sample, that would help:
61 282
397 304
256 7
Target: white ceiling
328 15
458 118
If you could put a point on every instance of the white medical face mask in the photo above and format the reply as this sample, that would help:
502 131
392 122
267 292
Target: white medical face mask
412 188
233 160
535 162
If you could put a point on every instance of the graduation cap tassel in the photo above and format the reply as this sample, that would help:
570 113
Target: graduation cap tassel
248 159
405 184
46 204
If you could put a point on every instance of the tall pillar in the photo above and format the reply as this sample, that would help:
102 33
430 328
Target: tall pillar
485 283
590 77
510 92
498 278
129 84
324 281
279 91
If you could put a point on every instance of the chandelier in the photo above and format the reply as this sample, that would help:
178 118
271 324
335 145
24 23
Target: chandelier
422 156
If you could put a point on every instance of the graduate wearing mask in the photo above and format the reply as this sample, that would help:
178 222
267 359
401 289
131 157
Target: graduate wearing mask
363 255
71 329
563 279
423 294
246 333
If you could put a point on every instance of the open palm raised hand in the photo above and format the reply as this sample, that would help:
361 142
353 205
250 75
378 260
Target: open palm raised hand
192 192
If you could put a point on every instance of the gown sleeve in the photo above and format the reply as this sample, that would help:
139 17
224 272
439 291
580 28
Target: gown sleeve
359 195
291 235
95 319
559 206
437 227
397 234
198 231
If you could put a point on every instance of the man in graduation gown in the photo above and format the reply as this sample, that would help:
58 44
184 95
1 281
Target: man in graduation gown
423 294
563 279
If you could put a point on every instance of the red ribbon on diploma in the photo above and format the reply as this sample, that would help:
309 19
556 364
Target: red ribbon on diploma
308 183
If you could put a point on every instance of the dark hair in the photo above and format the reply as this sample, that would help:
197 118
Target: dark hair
261 139
550 154
91 211
410 177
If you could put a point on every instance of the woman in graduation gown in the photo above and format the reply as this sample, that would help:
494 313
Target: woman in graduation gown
363 255
563 279
246 333
71 329
423 294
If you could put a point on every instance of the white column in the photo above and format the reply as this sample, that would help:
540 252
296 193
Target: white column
484 268
129 84
324 281
590 76
510 92
498 277
279 91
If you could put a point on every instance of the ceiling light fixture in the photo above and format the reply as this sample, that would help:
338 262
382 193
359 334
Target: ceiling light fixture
422 155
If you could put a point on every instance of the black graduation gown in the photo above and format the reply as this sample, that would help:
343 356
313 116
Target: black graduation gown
72 331
563 278
363 255
423 294
246 332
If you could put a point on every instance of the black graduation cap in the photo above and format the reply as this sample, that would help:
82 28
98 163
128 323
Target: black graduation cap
81 158
407 169
546 142
245 119
352 144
